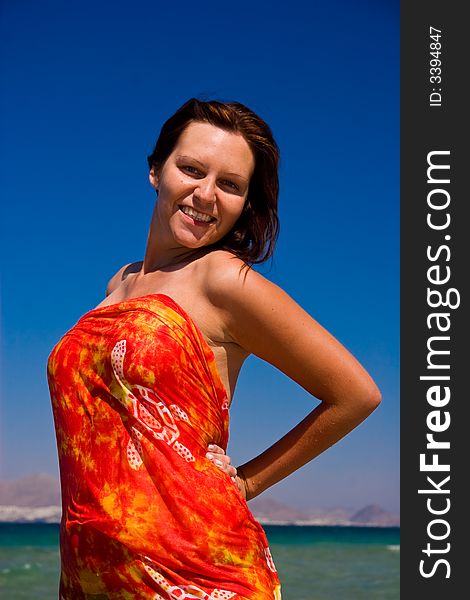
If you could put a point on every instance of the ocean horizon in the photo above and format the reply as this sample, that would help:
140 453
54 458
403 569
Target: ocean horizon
314 562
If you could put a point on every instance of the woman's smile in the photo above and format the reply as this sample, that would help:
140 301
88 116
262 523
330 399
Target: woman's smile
198 218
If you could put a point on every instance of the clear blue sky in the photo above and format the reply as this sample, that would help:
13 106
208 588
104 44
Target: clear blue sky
85 89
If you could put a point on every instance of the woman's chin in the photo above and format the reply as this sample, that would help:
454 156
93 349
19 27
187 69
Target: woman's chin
191 239
192 244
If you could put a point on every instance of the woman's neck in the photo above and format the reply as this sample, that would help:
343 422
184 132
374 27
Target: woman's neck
162 254
163 258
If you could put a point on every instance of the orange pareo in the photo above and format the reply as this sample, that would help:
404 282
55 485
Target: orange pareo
136 399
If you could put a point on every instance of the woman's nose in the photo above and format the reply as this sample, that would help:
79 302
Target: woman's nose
205 190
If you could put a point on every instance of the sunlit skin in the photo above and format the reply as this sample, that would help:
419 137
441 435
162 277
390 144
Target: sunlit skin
242 313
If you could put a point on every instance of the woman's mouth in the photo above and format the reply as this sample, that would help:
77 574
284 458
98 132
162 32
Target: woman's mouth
195 216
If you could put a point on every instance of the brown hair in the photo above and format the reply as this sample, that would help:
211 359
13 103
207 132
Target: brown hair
254 235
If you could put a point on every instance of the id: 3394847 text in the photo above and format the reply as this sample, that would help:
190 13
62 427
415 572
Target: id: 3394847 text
435 66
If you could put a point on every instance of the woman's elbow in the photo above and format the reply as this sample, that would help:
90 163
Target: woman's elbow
369 399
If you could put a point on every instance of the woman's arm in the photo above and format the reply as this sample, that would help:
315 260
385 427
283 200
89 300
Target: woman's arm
266 322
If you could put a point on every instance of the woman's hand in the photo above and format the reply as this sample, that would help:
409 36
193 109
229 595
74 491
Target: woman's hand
217 455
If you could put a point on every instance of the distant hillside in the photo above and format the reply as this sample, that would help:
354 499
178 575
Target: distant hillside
375 515
37 498
269 510
39 489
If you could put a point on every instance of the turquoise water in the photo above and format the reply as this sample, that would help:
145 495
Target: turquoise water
314 563
336 563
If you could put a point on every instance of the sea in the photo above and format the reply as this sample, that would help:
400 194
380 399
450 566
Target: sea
313 562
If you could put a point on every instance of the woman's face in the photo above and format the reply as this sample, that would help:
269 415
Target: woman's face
203 185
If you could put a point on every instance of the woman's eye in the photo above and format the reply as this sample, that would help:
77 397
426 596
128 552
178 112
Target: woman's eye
230 184
191 169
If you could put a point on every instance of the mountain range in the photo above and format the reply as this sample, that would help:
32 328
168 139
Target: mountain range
36 498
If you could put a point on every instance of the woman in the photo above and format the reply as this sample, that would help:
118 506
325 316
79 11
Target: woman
142 384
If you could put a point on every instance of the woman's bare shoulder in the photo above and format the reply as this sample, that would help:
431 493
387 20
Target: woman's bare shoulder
228 282
223 267
123 272
226 274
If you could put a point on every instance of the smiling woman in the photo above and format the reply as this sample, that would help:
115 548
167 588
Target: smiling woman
141 386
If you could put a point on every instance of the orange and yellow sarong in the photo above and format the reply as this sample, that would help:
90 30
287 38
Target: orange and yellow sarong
137 398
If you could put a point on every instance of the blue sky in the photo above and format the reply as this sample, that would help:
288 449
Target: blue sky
85 90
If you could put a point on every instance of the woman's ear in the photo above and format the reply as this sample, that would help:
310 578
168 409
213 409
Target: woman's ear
154 178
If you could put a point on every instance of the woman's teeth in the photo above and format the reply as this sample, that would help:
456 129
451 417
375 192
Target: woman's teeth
197 216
